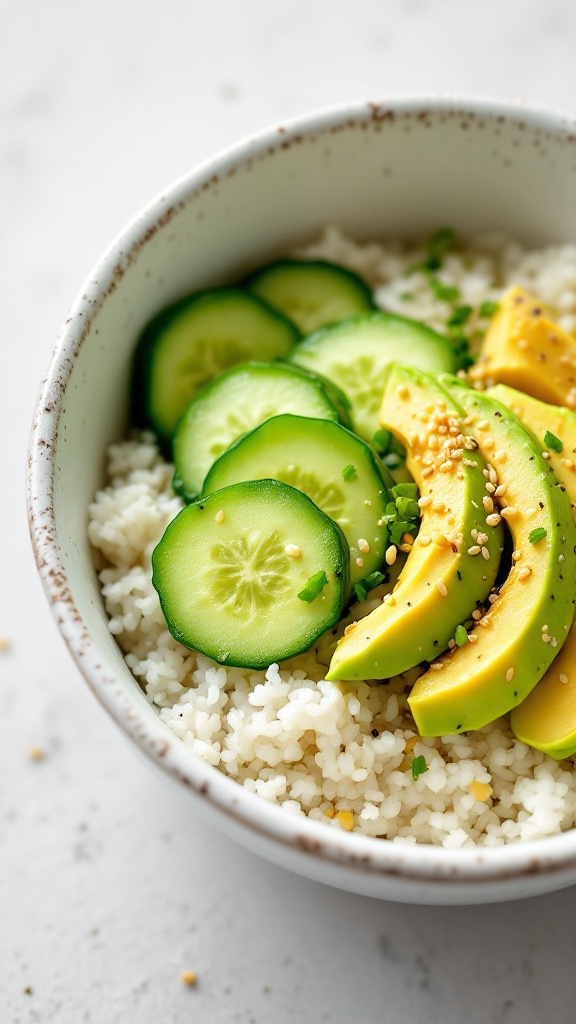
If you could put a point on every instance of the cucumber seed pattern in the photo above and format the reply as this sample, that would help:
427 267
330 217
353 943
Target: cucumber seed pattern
328 496
248 573
218 354
241 421
358 379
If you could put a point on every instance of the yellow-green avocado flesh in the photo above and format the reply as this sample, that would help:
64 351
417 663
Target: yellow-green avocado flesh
524 629
546 719
440 583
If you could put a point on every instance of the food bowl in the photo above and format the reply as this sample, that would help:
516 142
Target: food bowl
398 168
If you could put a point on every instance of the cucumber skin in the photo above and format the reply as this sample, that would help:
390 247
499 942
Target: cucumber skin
142 363
350 276
342 574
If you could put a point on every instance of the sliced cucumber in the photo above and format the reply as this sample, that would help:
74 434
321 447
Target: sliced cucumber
194 340
355 353
338 471
234 404
312 293
230 568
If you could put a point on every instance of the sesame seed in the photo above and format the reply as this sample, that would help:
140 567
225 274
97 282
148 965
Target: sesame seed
545 628
501 490
363 546
524 573
292 550
446 467
477 614
437 665
389 599
561 558
474 550
567 463
546 638
391 553
380 522
482 425
406 548
442 588
427 472
493 474
488 503
468 462
472 638
486 473
516 555
220 515
493 519
424 539
500 455
489 444
509 512
492 598
425 501
485 554
360 563
510 675
368 504
490 488
546 455
563 678
482 538
474 534
553 642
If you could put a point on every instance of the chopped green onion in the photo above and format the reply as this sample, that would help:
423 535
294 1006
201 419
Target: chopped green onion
408 508
538 534
361 592
418 766
349 472
406 490
552 442
459 316
398 529
438 245
314 587
406 296
374 579
444 292
488 308
381 440
460 636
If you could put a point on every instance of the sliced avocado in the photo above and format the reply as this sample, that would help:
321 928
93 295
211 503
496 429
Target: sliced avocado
440 583
542 419
546 719
525 349
517 639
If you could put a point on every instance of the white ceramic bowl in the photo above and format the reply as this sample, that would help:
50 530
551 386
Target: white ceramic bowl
391 168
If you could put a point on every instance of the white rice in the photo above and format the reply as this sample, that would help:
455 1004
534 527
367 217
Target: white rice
339 753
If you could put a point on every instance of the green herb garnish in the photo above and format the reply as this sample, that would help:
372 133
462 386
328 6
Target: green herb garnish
538 534
314 587
488 308
363 587
406 296
381 440
418 766
459 316
444 292
460 636
552 442
406 490
349 472
438 245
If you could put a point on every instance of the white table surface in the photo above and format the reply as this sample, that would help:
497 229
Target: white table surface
110 885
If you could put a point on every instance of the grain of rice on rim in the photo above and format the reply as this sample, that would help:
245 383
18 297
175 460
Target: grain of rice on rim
287 734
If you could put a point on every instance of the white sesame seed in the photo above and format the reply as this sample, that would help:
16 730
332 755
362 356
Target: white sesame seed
424 539
391 553
490 488
509 512
474 534
363 546
292 550
516 555
472 638
442 588
477 614
380 522
563 678
485 554
474 550
510 675
427 472
368 504
561 558
546 638
489 444
493 519
493 475
437 665
482 538
524 573
500 455
501 490
482 425
389 599
425 501
446 467
220 515
553 642
360 563
488 503
546 455
492 598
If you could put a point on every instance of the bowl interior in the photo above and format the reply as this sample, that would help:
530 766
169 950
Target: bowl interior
374 171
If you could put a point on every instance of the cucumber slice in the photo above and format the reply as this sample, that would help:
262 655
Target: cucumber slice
230 567
338 471
355 353
312 293
191 342
234 404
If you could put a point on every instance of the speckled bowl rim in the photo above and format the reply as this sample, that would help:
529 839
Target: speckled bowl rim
418 863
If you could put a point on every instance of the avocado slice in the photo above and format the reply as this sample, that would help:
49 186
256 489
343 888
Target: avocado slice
540 418
525 349
546 719
440 583
518 638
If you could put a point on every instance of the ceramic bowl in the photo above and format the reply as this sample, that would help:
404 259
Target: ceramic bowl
388 168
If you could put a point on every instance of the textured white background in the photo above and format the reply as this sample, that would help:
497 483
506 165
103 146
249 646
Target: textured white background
110 885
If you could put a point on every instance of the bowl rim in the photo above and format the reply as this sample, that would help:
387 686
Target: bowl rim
422 863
